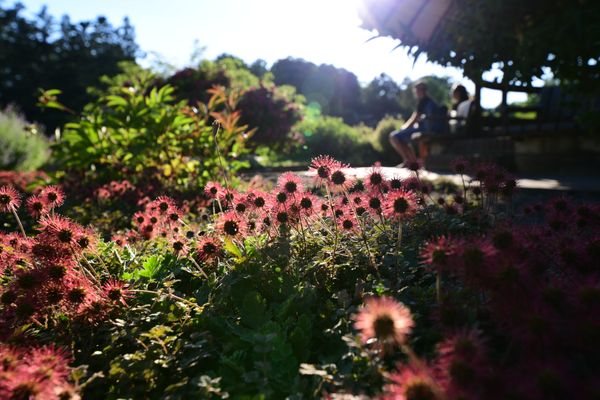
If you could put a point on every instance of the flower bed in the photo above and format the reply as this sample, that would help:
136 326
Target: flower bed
378 288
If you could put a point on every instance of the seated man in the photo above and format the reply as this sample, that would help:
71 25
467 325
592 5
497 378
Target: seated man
417 122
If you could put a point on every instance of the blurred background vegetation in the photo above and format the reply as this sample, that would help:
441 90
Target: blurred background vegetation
292 110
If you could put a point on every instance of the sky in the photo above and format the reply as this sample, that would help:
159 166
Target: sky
320 31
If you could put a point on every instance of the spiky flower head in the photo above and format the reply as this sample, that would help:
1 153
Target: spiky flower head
10 199
383 319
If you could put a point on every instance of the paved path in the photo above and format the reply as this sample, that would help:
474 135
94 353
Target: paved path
580 183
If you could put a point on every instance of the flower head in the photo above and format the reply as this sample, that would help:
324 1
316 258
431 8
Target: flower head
413 382
116 291
384 319
209 248
214 190
437 253
10 199
308 203
290 183
53 196
375 179
323 166
36 206
230 224
340 180
400 205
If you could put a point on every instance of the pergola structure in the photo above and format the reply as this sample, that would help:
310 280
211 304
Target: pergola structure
421 25
519 38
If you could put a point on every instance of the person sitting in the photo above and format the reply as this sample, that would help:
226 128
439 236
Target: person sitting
427 118
461 108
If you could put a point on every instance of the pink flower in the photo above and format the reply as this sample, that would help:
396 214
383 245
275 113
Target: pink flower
348 222
400 205
36 206
340 181
230 224
53 196
383 319
323 166
413 382
375 179
209 248
437 253
214 190
10 199
290 183
116 291
308 203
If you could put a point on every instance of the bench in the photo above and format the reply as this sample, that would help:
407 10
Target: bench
506 136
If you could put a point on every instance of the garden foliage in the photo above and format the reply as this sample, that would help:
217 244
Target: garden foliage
139 132
379 288
22 147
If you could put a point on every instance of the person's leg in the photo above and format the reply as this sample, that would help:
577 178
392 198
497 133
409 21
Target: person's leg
400 142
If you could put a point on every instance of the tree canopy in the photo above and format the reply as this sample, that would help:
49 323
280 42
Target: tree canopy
520 37
42 53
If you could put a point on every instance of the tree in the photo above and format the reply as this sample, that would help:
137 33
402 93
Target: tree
259 68
520 37
336 90
380 98
43 54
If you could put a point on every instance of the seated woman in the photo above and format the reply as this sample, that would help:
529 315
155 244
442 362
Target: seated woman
461 108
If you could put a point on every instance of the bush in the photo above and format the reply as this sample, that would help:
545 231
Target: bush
330 135
271 113
21 149
138 132
381 141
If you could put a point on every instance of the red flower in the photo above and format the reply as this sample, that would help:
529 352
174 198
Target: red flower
374 203
36 206
437 253
53 196
119 240
340 181
209 248
179 246
308 203
61 230
461 362
116 291
214 190
348 222
257 199
10 200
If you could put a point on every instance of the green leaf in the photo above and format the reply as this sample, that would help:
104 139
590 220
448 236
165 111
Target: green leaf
253 310
233 249
150 267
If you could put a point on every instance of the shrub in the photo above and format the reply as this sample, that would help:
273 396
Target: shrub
192 84
138 132
330 135
272 114
381 141
21 148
